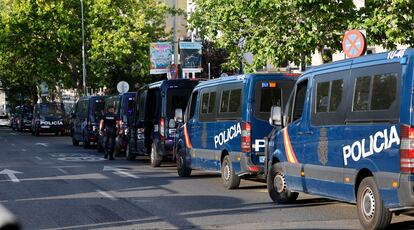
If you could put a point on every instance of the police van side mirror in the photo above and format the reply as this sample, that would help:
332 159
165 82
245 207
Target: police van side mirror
178 117
275 115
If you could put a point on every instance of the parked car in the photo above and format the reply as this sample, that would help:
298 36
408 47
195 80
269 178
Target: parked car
347 133
5 120
85 120
154 127
48 117
225 124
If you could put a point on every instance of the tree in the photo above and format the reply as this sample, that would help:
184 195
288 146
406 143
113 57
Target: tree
119 34
40 40
38 43
273 30
388 22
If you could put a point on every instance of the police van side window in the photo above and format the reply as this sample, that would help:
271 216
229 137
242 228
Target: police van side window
328 95
230 101
193 105
235 99
225 96
328 98
375 94
299 100
141 105
208 105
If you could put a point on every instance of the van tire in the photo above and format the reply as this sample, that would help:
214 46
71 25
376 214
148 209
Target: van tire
182 166
74 141
128 155
371 211
99 148
230 179
86 144
276 186
155 162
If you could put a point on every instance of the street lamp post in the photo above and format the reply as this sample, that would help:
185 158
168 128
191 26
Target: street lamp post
83 53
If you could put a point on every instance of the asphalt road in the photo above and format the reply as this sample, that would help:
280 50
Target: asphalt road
58 186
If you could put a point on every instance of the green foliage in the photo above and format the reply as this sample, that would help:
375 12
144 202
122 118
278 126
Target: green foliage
40 40
273 30
388 22
119 33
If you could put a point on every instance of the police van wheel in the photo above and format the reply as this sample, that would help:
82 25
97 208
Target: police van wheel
182 167
371 211
276 186
75 142
99 148
155 162
230 179
128 154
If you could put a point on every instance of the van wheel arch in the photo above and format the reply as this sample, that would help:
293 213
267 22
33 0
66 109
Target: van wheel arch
224 153
363 173
274 161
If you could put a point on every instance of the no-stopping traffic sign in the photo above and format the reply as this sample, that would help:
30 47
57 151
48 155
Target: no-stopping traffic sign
354 43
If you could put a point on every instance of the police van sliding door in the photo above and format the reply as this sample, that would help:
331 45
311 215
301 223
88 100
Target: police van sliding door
372 137
205 151
323 165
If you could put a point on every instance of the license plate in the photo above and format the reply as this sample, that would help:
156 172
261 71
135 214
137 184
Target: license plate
261 159
45 126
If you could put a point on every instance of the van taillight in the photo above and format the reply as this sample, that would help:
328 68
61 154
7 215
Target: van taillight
162 129
407 149
246 139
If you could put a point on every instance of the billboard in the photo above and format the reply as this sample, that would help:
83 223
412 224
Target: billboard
160 55
190 54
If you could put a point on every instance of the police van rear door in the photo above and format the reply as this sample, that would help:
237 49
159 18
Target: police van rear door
268 92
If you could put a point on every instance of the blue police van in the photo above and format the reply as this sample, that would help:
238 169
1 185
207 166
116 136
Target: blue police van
347 133
125 118
225 123
154 127
85 120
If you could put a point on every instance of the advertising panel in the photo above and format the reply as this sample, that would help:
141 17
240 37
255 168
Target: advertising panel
160 54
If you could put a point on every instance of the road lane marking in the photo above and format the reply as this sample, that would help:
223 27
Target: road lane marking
39 158
62 170
11 174
107 195
24 150
126 174
42 144
119 171
13 144
14 134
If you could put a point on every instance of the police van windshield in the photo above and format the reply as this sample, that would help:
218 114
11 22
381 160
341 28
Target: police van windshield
177 99
51 110
27 113
98 109
270 93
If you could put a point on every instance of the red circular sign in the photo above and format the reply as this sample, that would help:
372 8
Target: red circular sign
174 71
354 43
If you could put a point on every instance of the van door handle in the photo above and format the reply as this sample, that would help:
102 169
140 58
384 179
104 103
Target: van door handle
304 133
